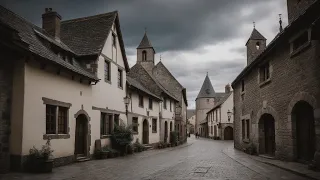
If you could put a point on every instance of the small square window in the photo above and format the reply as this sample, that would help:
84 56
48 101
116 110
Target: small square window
264 72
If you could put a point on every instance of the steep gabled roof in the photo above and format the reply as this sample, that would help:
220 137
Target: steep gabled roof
256 35
145 43
138 71
206 90
87 35
220 102
175 88
33 37
138 85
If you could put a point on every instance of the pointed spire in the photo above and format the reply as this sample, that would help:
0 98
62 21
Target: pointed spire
256 35
206 90
145 43
280 22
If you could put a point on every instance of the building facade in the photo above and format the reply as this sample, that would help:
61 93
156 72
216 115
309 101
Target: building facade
205 100
276 96
220 118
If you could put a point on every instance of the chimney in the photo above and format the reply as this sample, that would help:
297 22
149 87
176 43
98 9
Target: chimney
51 23
227 88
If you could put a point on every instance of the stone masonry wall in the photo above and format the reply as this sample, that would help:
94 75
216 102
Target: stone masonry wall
6 69
292 79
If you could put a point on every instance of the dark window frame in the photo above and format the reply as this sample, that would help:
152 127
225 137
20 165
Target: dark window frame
247 128
51 119
264 72
135 125
170 105
150 103
164 103
107 71
242 86
141 102
114 40
300 41
243 124
154 125
120 78
144 55
62 120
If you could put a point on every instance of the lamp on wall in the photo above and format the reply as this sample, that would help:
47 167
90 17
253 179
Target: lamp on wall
127 102
229 113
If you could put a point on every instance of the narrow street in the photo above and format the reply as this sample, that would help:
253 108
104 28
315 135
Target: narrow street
199 159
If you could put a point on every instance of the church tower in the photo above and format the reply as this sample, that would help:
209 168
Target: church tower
145 53
204 102
255 45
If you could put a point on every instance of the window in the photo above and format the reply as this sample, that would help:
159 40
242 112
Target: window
144 55
248 129
120 84
243 130
114 40
107 71
150 103
50 119
116 119
258 45
62 120
164 103
140 100
135 124
300 41
154 125
242 85
170 106
211 129
264 73
106 124
217 115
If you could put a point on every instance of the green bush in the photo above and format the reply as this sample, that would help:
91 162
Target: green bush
173 137
121 137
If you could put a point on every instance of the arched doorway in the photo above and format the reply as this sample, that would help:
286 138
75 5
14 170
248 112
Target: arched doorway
215 131
145 132
304 131
81 136
267 143
228 133
166 131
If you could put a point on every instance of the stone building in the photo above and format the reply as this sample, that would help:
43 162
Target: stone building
158 80
220 118
205 100
191 120
277 95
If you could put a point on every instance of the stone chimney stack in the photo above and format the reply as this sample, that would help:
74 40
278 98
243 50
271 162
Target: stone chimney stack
228 88
51 23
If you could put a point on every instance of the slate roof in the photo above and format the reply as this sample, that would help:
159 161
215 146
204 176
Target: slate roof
33 37
87 35
145 43
177 91
138 85
308 17
206 90
256 35
220 102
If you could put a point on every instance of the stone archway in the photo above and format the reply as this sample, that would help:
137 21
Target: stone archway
267 143
228 133
145 132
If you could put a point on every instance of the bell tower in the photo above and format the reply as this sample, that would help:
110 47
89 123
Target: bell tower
145 53
255 45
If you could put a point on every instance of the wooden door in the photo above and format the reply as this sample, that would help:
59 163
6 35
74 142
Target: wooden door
145 134
269 136
228 133
81 132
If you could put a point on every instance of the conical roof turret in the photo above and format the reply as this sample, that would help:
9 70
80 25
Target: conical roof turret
206 90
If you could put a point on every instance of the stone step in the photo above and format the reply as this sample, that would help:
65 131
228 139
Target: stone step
148 147
82 159
266 156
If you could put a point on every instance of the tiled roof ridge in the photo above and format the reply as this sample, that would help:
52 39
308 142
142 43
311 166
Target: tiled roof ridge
88 17
160 63
18 16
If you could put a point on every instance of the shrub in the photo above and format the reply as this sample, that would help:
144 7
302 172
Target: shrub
139 146
121 137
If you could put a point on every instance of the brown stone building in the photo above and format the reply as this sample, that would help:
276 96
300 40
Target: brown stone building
277 95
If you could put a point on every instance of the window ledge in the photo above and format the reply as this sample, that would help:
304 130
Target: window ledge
265 82
246 140
105 136
300 49
107 81
56 136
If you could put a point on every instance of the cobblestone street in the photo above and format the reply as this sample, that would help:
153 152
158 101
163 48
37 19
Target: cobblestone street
199 159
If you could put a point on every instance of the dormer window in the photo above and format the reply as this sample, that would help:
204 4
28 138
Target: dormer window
301 40
144 55
258 45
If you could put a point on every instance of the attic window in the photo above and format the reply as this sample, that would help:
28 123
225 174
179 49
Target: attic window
300 41
258 45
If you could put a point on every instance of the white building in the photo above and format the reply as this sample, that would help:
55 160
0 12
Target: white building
220 117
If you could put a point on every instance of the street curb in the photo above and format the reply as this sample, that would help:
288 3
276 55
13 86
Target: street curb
289 170
271 164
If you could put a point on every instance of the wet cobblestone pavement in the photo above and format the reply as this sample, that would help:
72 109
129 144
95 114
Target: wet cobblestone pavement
201 159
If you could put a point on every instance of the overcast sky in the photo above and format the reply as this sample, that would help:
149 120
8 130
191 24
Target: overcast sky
193 36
